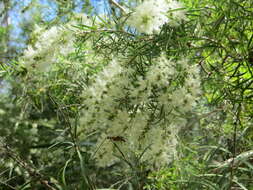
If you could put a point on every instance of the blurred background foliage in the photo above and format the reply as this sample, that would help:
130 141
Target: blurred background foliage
41 146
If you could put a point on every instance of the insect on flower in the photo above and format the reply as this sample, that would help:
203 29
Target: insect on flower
116 138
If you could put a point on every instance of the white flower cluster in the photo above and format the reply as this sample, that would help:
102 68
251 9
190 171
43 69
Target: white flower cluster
176 12
51 44
137 115
151 15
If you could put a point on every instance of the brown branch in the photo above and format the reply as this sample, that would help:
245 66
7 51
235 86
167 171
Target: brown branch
31 171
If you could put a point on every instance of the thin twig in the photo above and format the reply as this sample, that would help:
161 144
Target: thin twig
235 160
114 3
123 156
107 30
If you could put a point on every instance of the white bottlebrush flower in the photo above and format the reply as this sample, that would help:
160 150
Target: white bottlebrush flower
44 52
140 113
176 12
29 53
103 80
50 35
149 16
52 44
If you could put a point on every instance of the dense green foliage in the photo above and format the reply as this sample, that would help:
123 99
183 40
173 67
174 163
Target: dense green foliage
96 102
